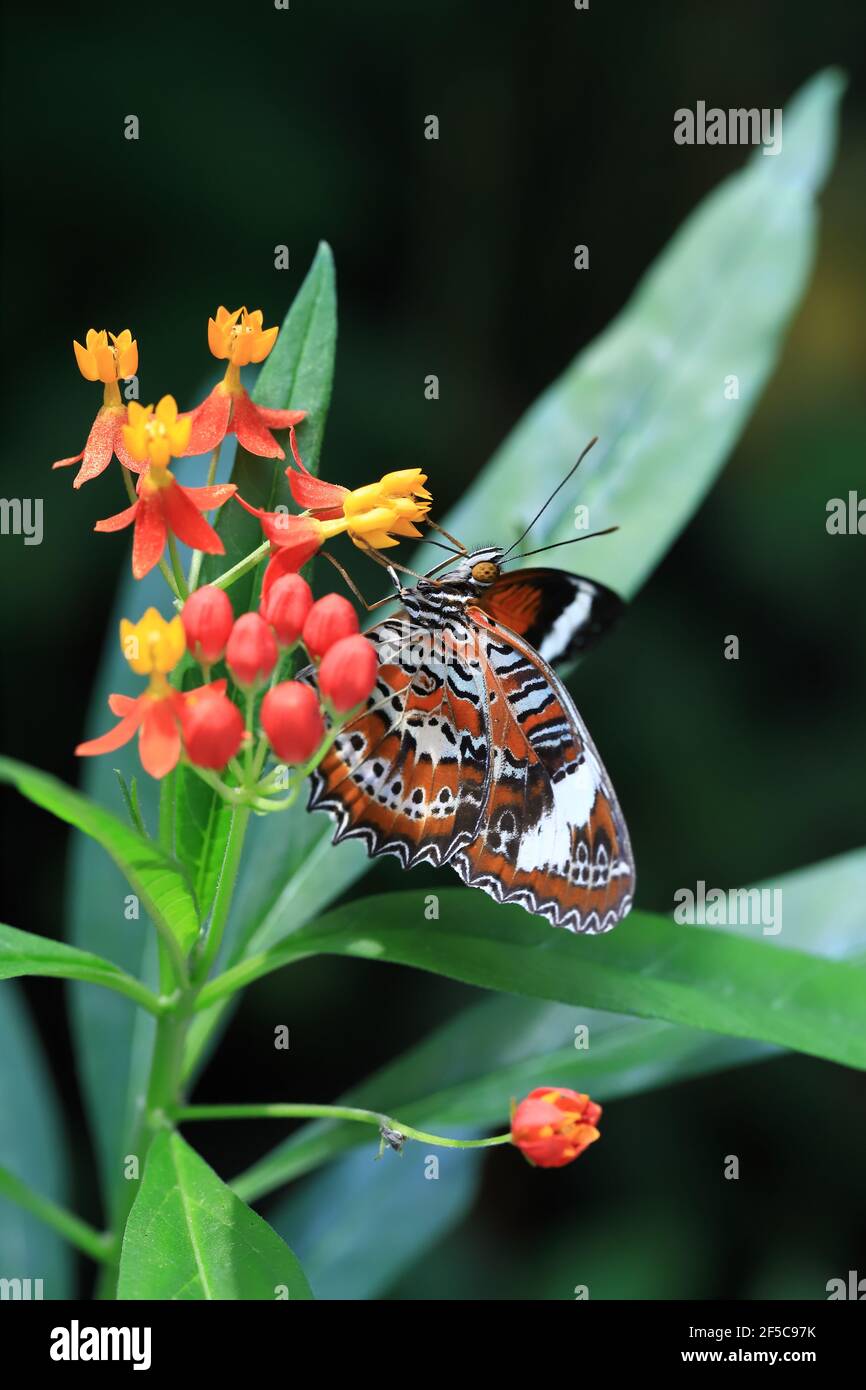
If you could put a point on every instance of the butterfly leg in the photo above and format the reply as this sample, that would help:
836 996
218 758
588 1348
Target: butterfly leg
353 586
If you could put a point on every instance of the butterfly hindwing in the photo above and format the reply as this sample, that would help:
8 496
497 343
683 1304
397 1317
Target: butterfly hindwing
557 613
470 752
408 775
551 835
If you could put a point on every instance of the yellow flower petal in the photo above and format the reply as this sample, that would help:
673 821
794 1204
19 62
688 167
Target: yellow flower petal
152 645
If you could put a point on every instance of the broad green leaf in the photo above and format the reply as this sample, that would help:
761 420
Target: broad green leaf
159 882
33 1147
466 1070
202 822
359 1225
113 1042
189 1237
652 386
648 966
298 375
715 303
23 953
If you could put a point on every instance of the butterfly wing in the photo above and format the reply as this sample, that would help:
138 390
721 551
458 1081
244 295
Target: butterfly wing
551 835
408 775
557 613
476 756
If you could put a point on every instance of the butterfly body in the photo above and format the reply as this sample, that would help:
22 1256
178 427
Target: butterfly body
470 751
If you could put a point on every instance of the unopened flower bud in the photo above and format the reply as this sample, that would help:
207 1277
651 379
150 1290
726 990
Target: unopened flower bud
348 672
286 606
329 619
293 722
251 651
553 1125
207 619
213 727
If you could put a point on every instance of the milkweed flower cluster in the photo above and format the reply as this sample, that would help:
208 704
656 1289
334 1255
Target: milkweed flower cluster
226 728
203 724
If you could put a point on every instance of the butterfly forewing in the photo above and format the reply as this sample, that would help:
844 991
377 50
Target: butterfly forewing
557 613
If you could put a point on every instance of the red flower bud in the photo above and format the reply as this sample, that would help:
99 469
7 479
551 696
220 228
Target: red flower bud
251 651
285 607
553 1125
207 621
348 672
292 720
213 727
329 619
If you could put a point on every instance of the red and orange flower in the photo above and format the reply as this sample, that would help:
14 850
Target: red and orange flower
374 517
553 1126
110 363
153 647
153 438
239 338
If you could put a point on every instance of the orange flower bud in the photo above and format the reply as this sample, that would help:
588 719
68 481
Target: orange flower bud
285 607
292 720
207 620
348 672
553 1125
213 727
329 619
251 651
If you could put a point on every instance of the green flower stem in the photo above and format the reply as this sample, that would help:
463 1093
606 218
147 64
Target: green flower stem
242 567
181 589
225 891
166 572
70 1227
198 555
280 1111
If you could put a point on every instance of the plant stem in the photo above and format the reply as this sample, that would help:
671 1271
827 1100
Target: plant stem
225 890
198 555
242 567
180 582
302 1111
76 1231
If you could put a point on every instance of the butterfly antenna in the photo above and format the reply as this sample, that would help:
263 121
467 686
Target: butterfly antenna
570 474
590 535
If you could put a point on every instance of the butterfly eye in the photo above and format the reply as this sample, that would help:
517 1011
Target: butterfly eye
485 572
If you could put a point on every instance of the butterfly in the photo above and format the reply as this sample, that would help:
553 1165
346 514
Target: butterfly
470 751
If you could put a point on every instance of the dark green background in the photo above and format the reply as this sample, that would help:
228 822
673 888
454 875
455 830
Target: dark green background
260 127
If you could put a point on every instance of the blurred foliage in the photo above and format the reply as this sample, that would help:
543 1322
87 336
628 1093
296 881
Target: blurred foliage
456 258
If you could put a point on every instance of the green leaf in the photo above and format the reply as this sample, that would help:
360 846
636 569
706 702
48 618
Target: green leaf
33 1147
159 882
114 1043
466 1070
649 966
189 1237
298 375
715 303
22 953
202 822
